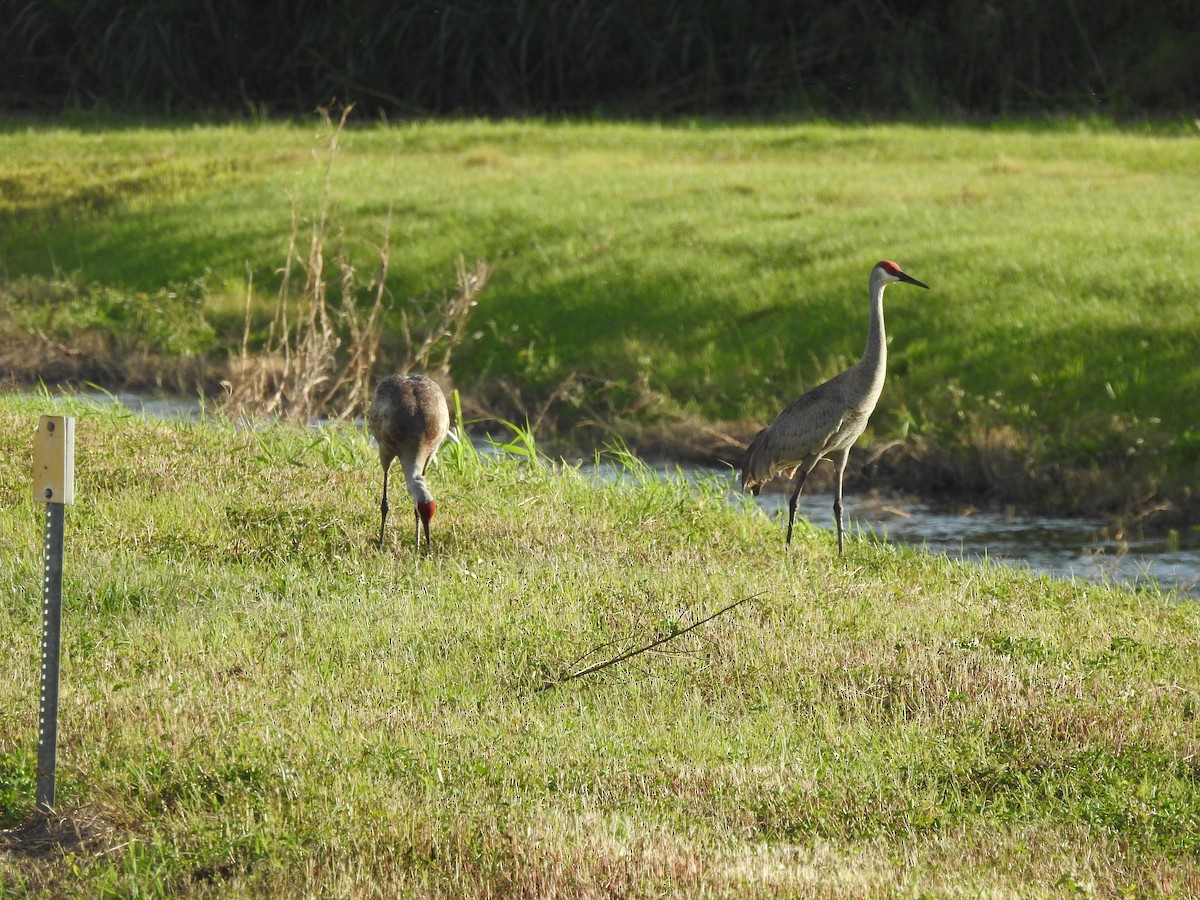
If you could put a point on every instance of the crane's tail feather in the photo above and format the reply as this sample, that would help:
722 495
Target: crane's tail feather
761 463
756 465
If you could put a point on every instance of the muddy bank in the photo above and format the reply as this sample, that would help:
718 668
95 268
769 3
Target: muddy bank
29 361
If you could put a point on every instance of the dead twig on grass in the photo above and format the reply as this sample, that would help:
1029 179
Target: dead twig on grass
629 654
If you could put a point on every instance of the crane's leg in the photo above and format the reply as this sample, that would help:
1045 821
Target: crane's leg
796 496
383 506
837 498
416 512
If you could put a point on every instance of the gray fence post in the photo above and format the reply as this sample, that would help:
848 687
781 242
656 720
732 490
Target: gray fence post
54 485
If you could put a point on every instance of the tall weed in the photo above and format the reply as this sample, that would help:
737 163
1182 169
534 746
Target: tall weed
321 354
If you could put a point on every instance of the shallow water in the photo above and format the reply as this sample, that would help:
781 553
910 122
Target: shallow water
1062 547
164 407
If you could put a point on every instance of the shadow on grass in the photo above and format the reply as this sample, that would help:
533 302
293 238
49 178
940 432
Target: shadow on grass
38 847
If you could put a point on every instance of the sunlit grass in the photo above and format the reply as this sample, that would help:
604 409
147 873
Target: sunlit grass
257 700
705 270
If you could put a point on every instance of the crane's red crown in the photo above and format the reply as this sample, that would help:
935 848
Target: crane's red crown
426 511
890 267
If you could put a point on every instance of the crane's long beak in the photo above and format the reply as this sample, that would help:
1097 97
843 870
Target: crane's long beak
908 279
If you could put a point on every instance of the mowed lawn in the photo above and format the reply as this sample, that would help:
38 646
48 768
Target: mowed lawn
258 701
701 271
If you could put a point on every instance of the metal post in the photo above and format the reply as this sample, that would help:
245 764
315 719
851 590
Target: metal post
54 485
51 638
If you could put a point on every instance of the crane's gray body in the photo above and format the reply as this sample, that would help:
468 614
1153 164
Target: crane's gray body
824 422
409 420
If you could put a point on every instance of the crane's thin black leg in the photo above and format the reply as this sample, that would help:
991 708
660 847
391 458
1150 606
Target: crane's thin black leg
837 512
417 516
837 501
383 507
792 502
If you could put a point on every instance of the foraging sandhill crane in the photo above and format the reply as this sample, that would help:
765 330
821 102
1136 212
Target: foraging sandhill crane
826 421
409 419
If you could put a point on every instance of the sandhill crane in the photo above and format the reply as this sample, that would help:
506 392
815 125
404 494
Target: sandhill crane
826 421
409 419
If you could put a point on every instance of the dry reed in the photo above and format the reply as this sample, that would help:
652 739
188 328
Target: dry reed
320 355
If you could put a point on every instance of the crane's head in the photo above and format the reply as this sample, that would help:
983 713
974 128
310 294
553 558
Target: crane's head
888 272
425 511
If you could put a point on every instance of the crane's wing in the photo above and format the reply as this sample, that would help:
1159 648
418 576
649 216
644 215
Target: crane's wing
804 431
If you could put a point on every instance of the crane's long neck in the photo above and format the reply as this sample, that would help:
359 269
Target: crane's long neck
414 479
873 365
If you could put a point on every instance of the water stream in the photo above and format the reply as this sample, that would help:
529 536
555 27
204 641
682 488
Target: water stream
1062 547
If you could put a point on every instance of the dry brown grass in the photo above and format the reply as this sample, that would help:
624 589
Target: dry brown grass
321 353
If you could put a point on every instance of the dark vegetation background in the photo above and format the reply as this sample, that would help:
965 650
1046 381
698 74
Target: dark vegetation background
621 57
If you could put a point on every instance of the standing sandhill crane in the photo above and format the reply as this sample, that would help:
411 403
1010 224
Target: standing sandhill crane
409 419
826 421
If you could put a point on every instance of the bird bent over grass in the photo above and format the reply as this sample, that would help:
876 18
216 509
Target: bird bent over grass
826 421
409 419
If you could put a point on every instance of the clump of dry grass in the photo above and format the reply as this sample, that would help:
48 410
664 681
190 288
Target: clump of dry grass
321 353
431 329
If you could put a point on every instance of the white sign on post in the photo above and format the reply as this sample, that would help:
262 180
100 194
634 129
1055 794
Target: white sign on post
54 460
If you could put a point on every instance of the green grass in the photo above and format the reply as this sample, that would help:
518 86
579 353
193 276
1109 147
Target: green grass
703 272
257 701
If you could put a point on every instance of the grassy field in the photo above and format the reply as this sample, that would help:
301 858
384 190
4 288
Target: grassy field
257 701
667 281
